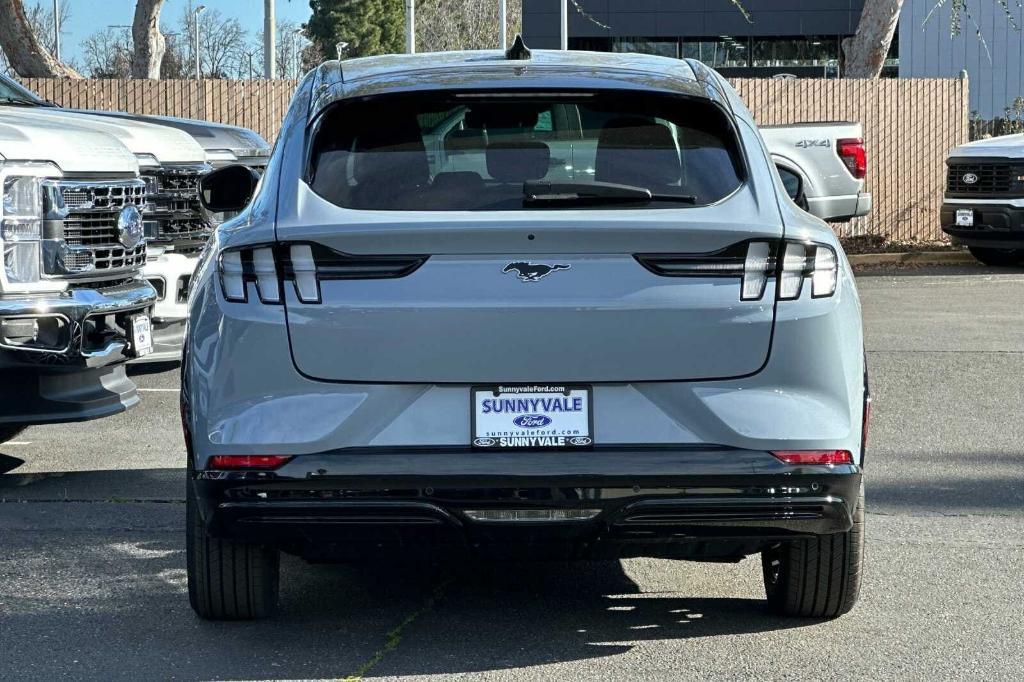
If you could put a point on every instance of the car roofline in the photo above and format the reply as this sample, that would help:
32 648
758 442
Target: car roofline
490 69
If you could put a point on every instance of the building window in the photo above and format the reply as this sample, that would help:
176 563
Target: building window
658 46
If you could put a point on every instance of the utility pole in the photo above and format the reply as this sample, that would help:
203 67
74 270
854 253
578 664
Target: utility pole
564 32
56 30
269 49
503 18
195 18
410 26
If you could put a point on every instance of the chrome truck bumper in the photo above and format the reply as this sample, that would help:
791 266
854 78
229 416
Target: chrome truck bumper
62 355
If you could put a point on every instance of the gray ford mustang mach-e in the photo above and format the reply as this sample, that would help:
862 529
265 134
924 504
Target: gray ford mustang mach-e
548 304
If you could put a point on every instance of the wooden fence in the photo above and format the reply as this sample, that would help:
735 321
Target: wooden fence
256 104
909 126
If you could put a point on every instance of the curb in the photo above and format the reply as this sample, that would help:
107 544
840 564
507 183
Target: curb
914 258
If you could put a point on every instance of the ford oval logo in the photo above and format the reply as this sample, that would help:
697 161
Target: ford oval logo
484 442
970 179
129 227
531 421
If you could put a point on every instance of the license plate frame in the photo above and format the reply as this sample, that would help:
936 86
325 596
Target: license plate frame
141 330
964 217
533 437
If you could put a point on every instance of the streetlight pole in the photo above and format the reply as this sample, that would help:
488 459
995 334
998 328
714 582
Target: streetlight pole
503 19
269 37
56 30
410 26
195 19
564 32
297 51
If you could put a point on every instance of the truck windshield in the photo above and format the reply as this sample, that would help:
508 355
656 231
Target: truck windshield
534 151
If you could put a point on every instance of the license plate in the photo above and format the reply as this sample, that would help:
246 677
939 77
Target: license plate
142 336
965 217
535 417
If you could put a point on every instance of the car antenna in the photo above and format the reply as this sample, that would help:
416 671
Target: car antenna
519 50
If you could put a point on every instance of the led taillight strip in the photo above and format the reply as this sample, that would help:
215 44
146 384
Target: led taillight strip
754 262
305 265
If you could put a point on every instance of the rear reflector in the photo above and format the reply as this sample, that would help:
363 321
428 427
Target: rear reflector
531 514
814 456
246 461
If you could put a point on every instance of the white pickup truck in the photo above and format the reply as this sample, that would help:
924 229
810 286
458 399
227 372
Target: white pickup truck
176 226
983 207
73 305
171 163
829 161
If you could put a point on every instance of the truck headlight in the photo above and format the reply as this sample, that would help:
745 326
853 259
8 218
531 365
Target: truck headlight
21 220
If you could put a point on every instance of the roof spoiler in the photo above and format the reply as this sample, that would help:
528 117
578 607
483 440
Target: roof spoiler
519 50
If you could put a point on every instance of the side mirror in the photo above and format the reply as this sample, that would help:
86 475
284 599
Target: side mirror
794 185
228 189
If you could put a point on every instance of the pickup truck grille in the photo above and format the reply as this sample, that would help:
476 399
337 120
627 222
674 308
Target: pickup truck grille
86 244
977 178
174 216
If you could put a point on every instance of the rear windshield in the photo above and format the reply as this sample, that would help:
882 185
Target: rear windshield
481 152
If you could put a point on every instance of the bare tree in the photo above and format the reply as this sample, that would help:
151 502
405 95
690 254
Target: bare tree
462 24
40 17
147 39
25 53
108 54
222 42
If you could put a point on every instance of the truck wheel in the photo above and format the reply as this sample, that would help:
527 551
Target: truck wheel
227 580
9 431
819 577
997 257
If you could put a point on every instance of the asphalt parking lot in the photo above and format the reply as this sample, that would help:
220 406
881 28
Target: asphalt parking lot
92 578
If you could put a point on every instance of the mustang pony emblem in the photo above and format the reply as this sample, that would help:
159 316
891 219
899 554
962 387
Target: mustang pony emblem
532 272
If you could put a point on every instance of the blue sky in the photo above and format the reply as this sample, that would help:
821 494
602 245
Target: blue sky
89 16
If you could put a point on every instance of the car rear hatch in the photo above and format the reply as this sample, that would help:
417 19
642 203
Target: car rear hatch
560 289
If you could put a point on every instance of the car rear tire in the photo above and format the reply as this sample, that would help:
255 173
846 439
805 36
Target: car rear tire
997 257
9 431
228 580
819 577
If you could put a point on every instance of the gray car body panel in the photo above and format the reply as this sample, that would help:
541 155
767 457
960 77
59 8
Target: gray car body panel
245 394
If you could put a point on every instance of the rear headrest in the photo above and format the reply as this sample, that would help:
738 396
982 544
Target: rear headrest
637 151
518 161
393 152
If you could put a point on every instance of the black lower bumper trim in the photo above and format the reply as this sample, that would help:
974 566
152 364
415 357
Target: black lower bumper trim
995 226
48 395
662 503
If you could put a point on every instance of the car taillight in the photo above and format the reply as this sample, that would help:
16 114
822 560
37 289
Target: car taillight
801 261
854 155
754 262
236 462
269 266
240 267
814 456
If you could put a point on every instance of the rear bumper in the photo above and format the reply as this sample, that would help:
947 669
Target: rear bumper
840 208
996 226
712 503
